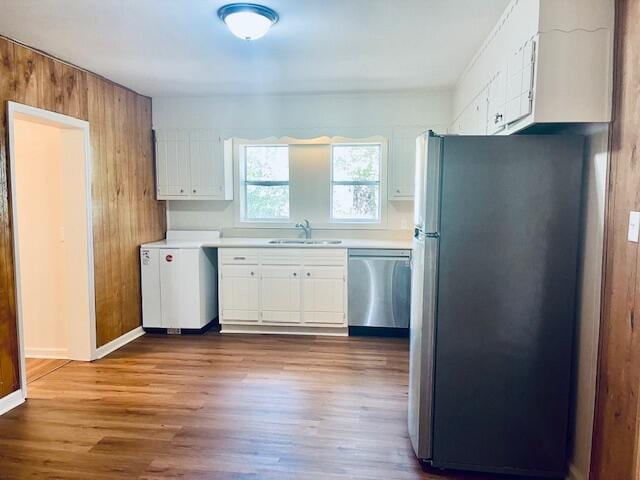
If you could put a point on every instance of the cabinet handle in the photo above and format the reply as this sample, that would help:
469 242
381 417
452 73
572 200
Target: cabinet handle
239 258
497 118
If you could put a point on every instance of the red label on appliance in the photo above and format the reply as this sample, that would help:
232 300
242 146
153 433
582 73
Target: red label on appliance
169 258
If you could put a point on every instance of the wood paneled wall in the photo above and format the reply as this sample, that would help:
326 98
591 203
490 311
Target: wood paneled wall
125 212
615 441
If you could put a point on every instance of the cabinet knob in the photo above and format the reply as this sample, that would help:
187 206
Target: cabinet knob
398 190
194 191
295 274
252 273
308 274
182 190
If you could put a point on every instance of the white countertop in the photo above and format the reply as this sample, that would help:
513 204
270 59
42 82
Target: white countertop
264 243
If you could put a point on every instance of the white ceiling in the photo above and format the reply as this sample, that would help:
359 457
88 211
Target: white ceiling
180 47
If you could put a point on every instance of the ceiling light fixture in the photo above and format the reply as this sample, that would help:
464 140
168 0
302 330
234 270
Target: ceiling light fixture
247 21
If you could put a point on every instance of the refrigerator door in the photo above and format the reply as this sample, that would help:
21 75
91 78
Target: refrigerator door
424 276
426 201
506 297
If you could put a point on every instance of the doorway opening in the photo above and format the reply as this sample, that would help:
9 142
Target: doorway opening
49 161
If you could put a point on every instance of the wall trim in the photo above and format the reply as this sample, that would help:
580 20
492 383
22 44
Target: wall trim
119 342
11 401
61 353
575 473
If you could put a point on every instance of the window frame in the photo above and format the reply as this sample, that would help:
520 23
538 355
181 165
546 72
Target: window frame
379 183
303 138
244 218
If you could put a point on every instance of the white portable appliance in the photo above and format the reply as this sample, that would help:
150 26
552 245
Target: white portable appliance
179 281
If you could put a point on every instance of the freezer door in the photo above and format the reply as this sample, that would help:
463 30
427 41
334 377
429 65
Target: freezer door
506 302
427 188
424 274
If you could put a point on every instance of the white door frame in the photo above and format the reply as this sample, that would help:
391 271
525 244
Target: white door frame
63 121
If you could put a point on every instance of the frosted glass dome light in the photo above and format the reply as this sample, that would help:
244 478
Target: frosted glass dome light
248 21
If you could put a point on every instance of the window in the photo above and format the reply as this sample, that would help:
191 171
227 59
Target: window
355 182
266 182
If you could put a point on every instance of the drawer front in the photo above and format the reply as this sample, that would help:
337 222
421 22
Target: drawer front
327 256
238 256
281 256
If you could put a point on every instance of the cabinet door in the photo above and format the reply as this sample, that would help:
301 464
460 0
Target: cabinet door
520 83
239 293
403 166
179 288
207 164
497 99
280 293
172 163
324 296
402 162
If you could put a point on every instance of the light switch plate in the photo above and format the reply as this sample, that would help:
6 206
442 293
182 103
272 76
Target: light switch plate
634 226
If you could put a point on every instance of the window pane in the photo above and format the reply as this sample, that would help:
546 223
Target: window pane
267 162
356 202
267 202
356 162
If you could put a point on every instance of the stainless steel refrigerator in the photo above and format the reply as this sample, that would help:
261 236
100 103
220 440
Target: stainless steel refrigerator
493 301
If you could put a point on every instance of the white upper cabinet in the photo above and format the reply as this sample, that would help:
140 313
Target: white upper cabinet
546 61
402 162
193 164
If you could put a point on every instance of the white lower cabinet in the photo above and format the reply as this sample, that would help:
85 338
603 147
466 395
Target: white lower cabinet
240 293
323 295
283 287
280 293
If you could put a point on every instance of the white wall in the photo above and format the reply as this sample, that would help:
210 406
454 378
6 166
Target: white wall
302 116
52 232
40 229
589 290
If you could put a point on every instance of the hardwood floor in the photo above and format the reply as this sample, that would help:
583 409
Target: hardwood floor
220 407
39 367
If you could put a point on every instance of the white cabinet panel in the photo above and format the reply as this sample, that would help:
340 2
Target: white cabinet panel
192 164
497 102
280 293
402 162
239 293
206 172
179 288
324 295
172 163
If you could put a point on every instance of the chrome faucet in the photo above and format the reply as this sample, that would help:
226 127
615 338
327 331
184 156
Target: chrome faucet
306 228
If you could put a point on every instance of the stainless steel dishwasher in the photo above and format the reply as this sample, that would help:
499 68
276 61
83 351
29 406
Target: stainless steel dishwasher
379 288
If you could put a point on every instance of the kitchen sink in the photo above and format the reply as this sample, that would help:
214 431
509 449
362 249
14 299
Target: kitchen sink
286 241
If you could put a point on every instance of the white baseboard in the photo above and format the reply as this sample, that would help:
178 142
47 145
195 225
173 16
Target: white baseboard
61 353
11 401
575 473
285 330
121 341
